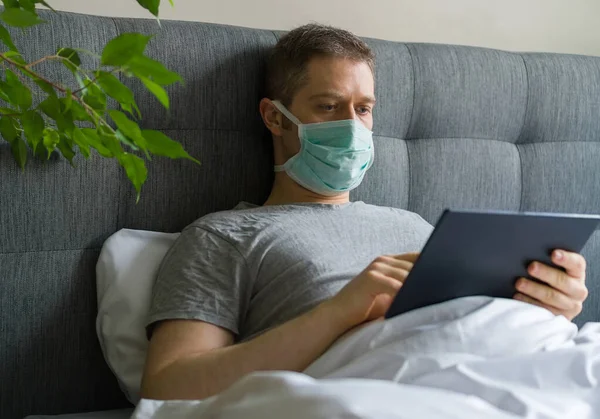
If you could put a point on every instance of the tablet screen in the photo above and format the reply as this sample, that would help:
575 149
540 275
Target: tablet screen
483 253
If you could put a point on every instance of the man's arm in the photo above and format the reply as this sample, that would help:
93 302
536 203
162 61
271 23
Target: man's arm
190 359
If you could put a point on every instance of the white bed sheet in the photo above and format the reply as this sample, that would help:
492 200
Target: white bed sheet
470 358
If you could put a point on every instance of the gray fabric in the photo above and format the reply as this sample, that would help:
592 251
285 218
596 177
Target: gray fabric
223 69
532 118
241 161
462 173
390 172
51 360
463 92
394 105
550 184
251 269
563 102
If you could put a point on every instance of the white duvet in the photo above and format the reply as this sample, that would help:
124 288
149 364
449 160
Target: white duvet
470 358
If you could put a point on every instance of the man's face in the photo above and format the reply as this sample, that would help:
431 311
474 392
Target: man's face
335 89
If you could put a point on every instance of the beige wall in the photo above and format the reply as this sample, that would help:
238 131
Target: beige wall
530 25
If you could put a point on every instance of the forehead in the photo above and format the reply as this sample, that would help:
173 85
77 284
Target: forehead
340 74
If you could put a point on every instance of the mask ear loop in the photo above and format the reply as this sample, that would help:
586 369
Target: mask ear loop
287 113
294 120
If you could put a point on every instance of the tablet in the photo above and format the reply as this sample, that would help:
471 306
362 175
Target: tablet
483 253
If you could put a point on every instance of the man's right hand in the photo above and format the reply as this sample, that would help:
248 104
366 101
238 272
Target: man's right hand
369 295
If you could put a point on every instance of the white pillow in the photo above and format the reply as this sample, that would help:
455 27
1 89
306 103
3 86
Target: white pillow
125 274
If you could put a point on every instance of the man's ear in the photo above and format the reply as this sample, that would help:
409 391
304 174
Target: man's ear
271 117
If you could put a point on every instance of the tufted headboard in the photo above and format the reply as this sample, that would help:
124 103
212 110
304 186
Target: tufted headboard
454 126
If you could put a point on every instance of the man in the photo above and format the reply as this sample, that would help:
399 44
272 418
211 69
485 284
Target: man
272 287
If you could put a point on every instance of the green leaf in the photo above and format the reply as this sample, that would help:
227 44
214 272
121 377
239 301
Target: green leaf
172 3
11 3
87 51
95 97
8 111
111 142
161 145
129 128
65 149
81 83
28 5
3 95
136 171
16 91
8 128
33 126
150 5
6 39
53 107
17 58
46 87
67 101
113 87
121 49
81 141
92 139
122 138
157 91
143 66
78 113
72 61
20 18
45 4
51 138
19 150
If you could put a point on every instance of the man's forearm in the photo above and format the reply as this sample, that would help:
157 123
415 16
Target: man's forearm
292 346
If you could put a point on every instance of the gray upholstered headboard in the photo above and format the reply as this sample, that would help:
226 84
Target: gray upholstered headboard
455 126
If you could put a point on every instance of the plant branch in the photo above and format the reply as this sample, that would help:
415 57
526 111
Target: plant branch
20 77
32 73
91 111
41 60
95 114
85 86
116 70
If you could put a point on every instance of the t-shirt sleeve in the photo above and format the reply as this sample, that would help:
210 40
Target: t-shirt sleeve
202 277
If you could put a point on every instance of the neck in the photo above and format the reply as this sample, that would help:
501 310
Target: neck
286 191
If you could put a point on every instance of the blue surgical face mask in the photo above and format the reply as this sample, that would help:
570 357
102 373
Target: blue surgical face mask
334 156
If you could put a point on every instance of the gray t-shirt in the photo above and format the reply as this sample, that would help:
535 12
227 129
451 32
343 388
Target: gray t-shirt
253 268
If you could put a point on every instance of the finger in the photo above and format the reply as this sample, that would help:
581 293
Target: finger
396 263
573 263
526 299
554 277
409 257
384 284
545 294
396 273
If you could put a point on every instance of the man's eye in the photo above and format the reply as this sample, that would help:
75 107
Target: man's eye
327 107
363 110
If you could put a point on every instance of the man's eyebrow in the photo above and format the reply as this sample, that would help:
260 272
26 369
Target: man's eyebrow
336 95
369 99
327 95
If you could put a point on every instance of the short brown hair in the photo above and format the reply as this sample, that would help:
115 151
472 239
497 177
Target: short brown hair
286 66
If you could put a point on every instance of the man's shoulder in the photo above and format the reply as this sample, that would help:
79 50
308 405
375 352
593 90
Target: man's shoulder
244 217
399 212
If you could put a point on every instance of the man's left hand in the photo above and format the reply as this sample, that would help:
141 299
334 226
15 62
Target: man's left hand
562 292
